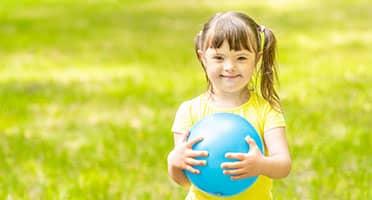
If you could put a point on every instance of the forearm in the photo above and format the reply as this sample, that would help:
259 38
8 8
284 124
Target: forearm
177 175
276 166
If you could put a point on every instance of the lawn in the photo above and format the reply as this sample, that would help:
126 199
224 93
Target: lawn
89 89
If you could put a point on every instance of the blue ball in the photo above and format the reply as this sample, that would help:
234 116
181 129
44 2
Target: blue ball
222 133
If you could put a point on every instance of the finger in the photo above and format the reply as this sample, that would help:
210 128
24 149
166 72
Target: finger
196 153
240 176
238 156
235 172
252 144
191 169
194 162
194 141
231 165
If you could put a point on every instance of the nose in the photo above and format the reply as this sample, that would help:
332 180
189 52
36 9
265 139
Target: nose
228 66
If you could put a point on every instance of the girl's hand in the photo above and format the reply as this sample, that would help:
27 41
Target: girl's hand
183 157
249 164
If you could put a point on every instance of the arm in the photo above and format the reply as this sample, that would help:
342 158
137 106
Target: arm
182 158
278 164
175 173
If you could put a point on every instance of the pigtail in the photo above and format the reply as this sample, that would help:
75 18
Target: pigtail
268 68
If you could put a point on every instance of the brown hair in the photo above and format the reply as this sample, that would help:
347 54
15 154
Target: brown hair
242 32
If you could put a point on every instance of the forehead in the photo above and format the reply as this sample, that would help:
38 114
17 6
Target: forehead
238 34
225 48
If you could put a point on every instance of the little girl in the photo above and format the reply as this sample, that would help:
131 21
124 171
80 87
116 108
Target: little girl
229 48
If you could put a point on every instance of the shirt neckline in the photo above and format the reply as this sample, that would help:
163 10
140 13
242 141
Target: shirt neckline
214 107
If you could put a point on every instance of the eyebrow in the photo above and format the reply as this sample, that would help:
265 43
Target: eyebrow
243 53
239 53
216 54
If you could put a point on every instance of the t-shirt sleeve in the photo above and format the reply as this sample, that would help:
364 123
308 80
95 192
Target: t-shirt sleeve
273 118
182 121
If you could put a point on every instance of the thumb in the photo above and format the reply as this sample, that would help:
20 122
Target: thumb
252 144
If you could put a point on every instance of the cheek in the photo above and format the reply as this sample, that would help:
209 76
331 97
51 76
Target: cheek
213 72
248 70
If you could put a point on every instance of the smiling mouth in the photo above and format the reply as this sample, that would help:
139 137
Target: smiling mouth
229 76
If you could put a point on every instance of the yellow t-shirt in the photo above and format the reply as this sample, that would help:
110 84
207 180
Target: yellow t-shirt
257 111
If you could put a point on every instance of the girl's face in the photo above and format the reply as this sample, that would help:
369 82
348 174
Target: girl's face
229 71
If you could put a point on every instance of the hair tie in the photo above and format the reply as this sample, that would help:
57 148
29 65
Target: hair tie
261 28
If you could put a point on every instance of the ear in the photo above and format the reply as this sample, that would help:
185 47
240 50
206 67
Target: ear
200 53
201 56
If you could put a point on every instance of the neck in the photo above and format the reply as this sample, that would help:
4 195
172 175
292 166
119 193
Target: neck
229 99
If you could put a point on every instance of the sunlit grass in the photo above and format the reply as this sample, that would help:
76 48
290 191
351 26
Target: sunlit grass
88 92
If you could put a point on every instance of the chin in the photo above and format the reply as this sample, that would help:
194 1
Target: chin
232 90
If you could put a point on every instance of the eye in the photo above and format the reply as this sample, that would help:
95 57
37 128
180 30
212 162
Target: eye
218 58
242 58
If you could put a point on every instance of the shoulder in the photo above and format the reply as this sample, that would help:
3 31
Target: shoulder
194 108
185 115
189 105
259 102
192 102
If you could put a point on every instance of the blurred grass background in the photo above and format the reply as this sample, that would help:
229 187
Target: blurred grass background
89 89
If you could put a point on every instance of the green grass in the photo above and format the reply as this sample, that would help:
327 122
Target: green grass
88 92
